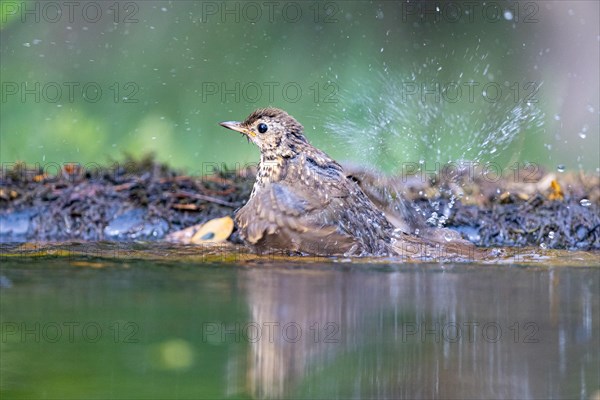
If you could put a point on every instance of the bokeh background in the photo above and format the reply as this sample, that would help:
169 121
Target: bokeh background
373 82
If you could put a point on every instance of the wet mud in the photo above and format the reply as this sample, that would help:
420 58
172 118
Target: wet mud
144 200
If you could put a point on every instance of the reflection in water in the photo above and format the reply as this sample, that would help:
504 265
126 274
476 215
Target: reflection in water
451 332
335 330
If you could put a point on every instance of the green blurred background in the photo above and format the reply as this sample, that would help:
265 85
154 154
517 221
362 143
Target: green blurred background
355 73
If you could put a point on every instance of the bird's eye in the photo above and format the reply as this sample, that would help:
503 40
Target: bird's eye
262 128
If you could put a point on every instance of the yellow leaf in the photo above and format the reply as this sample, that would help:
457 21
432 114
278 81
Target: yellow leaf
214 231
557 193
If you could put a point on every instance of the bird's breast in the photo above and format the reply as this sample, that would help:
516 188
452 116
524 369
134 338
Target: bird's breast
271 169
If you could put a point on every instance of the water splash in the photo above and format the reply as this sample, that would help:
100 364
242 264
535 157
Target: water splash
386 122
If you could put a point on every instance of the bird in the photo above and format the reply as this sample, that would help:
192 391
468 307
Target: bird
304 202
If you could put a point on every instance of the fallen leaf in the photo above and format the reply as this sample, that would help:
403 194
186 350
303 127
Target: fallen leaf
214 231
557 193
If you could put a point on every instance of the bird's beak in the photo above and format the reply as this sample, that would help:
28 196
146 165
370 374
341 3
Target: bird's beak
237 126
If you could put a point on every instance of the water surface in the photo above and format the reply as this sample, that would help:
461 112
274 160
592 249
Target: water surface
84 327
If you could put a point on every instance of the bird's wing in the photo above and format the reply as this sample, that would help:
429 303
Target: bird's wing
293 213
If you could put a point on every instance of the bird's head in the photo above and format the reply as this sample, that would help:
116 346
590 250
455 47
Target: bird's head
271 129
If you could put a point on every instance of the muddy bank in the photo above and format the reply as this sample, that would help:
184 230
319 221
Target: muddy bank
145 200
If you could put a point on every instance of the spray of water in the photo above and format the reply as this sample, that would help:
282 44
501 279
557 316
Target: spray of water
385 124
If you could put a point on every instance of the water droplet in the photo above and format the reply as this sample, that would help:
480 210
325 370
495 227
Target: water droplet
557 117
582 135
508 15
551 235
561 168
543 246
447 236
585 202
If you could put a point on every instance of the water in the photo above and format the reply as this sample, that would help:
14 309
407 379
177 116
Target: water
403 120
171 327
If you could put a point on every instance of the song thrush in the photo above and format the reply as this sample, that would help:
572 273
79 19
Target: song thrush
303 201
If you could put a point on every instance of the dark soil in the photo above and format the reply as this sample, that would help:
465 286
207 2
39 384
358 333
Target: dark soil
145 200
